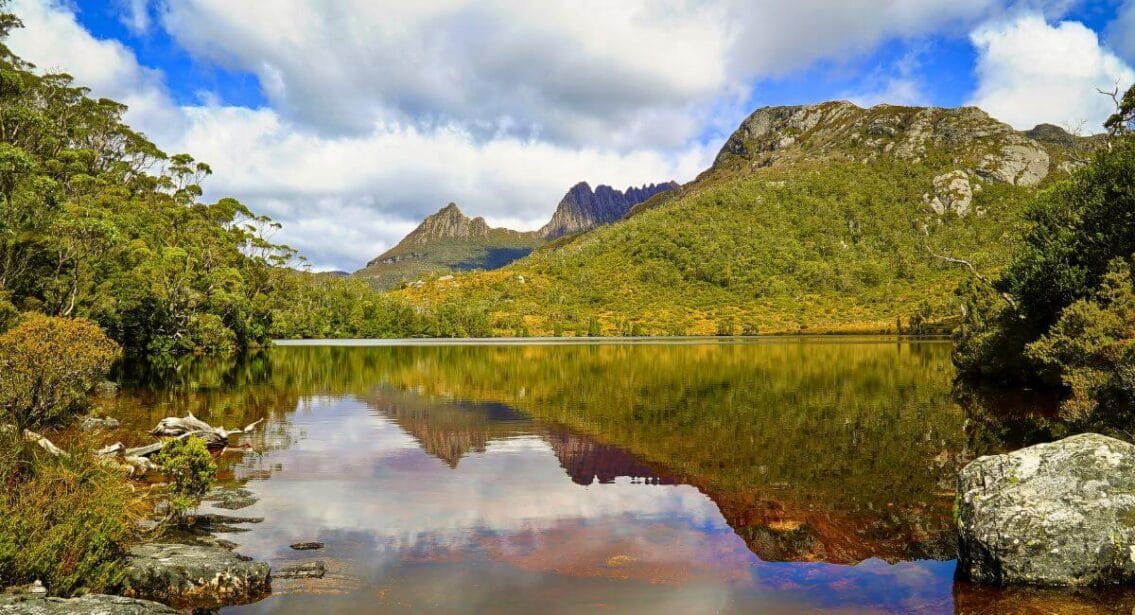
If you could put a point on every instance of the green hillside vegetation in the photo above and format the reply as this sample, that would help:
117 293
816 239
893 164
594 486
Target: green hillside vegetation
1066 311
810 226
441 258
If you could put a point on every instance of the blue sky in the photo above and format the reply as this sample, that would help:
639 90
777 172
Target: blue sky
349 120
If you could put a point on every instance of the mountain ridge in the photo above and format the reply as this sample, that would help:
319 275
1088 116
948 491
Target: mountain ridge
825 217
448 240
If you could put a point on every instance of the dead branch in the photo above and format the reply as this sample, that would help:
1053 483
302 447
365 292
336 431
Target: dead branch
1012 303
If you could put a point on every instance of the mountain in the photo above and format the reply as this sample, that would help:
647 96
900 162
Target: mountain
450 241
814 218
582 210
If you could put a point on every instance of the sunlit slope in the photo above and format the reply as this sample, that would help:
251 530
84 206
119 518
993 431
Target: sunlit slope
818 219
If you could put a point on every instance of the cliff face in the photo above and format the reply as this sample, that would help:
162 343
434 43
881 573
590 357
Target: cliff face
582 209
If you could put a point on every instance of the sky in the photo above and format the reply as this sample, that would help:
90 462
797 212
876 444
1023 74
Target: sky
348 121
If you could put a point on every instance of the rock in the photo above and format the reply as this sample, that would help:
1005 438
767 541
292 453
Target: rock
1061 513
90 423
314 569
93 604
952 192
231 498
1021 165
194 576
307 546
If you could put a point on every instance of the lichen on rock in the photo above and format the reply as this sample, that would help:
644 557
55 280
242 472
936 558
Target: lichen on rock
1061 514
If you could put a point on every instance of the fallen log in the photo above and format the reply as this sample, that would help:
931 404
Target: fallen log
178 428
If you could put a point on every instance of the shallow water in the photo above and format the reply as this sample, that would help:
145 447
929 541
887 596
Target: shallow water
775 475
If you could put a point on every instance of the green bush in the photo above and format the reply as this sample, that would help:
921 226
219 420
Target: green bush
190 466
65 521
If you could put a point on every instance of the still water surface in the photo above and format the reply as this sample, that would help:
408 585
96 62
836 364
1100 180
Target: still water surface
772 476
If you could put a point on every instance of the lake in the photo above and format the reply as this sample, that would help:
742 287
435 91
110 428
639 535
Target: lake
775 475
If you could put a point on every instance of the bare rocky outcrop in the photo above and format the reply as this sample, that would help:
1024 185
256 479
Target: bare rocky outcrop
194 576
1061 513
954 192
582 209
971 145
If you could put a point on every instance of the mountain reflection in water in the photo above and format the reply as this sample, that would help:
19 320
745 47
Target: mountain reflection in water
776 476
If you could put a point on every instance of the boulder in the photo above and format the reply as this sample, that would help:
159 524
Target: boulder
93 604
1061 513
194 576
952 192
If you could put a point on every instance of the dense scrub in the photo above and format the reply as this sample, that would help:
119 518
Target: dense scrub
63 520
1068 314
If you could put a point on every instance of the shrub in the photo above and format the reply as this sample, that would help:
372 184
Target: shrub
47 366
188 464
67 521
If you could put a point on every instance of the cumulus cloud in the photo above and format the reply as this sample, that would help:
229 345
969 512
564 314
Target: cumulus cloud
1030 71
344 199
623 74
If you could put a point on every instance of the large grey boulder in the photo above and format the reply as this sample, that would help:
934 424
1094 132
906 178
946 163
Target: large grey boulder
194 576
91 604
1061 513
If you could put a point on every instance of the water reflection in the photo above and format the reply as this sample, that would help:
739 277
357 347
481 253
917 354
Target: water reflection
777 476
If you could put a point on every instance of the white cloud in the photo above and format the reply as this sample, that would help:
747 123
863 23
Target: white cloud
628 74
1030 71
135 15
344 199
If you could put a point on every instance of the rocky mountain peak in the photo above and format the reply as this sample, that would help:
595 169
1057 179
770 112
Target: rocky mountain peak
968 145
583 208
448 223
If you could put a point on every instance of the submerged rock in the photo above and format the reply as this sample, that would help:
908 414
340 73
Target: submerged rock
231 498
194 576
314 569
100 604
90 423
1061 513
307 546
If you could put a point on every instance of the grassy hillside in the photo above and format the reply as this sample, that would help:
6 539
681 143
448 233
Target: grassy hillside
813 219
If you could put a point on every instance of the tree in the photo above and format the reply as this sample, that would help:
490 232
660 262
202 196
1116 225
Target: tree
47 367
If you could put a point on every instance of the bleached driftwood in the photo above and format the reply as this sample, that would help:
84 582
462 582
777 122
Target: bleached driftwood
179 428
39 440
